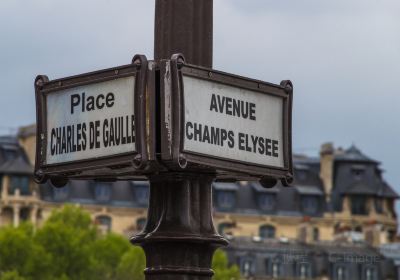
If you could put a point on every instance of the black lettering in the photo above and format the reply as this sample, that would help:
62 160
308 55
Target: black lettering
268 146
224 136
245 110
241 141
98 104
97 134
112 138
206 134
221 103
236 107
231 141
69 142
84 140
215 136
64 142
252 111
117 131
261 145
91 135
275 148
197 132
213 105
90 104
110 99
52 145
189 135
105 133
75 99
248 149
229 106
83 102
254 140
78 137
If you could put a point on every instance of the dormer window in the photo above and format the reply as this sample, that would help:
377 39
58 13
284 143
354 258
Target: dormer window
310 205
266 201
103 191
226 200
141 194
358 171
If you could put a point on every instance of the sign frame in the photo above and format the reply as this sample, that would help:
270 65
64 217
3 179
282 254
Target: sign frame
172 120
129 165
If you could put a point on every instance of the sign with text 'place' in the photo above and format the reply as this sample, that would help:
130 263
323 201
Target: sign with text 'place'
212 121
92 126
91 121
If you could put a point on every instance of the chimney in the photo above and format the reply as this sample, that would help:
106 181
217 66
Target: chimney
326 173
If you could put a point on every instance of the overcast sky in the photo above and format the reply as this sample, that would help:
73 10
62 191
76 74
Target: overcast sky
342 56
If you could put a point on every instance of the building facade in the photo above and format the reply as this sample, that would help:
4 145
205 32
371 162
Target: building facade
339 201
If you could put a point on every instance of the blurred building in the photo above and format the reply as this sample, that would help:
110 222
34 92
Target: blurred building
337 215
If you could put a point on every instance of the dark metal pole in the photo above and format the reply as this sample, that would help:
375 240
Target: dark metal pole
184 26
179 238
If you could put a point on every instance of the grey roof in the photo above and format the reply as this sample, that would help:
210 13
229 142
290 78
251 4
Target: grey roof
354 154
225 186
309 190
17 166
361 188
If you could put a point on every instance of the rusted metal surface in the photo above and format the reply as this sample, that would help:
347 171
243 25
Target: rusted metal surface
184 27
122 166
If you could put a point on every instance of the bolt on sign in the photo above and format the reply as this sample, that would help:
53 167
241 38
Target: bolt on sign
238 127
94 125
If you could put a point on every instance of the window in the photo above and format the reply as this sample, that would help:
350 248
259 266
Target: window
104 223
359 205
21 183
370 273
226 200
316 234
340 273
267 231
247 267
358 172
266 201
304 271
142 194
60 194
310 205
102 191
276 270
379 205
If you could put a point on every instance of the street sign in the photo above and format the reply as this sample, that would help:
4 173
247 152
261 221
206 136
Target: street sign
94 125
239 127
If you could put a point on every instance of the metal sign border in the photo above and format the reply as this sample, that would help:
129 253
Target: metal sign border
138 160
173 123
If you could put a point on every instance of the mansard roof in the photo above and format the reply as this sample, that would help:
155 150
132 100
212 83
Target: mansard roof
12 157
354 154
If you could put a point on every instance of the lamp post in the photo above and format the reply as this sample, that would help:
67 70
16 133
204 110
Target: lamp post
179 238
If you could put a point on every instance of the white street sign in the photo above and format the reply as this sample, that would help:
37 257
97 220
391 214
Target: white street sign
232 123
91 121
